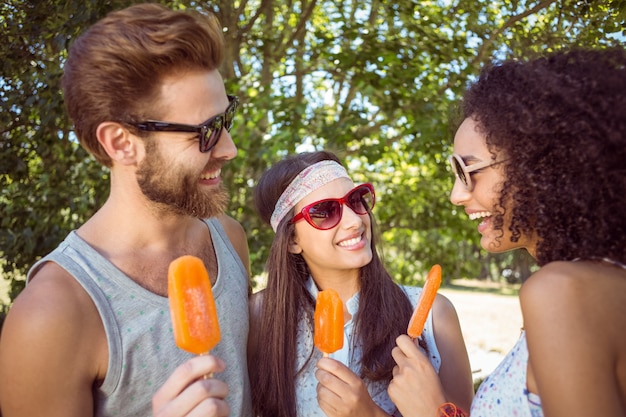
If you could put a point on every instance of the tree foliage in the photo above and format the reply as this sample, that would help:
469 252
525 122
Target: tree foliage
377 82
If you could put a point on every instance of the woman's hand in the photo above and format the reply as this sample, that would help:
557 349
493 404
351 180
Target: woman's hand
187 393
415 387
341 392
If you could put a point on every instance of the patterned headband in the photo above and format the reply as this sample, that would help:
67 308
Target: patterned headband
308 180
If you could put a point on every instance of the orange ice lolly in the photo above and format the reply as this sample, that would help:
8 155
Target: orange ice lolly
425 302
194 316
328 335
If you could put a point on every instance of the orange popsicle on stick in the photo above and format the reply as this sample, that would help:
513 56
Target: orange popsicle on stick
194 316
328 335
425 302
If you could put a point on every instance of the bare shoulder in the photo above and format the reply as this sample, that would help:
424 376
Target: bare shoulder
574 285
52 296
228 221
455 372
55 307
574 315
52 333
443 309
233 228
446 326
566 301
237 236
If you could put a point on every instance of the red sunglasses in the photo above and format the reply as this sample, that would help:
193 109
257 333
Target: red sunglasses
326 214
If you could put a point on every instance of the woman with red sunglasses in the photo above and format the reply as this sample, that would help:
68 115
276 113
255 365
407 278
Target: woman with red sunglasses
325 239
539 164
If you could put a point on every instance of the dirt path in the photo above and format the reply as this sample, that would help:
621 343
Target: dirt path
490 323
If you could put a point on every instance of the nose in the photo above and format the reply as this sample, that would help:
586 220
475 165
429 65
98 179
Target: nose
225 147
349 218
459 193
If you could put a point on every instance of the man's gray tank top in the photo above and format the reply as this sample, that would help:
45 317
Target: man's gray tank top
142 352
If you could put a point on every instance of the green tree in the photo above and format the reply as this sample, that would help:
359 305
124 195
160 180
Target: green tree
376 81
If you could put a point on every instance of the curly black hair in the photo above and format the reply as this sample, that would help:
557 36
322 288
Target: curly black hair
561 119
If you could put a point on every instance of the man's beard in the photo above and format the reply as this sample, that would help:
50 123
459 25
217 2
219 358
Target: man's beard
177 192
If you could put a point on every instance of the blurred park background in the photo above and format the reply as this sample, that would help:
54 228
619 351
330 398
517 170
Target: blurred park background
376 81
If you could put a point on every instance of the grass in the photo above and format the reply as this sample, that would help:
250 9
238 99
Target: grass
486 287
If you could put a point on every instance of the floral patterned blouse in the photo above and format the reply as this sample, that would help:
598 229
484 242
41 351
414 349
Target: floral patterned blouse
504 392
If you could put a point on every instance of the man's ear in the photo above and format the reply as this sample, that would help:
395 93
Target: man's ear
118 142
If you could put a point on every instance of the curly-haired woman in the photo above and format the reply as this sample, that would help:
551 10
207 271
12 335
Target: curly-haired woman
540 161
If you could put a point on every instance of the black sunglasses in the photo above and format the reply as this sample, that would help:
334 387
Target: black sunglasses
326 214
209 132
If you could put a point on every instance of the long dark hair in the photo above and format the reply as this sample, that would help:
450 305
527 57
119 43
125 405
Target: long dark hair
384 308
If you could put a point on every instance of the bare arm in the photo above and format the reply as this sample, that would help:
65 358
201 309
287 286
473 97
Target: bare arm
416 389
53 349
455 372
574 317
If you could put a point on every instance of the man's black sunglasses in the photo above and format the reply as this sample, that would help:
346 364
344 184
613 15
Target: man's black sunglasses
208 132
